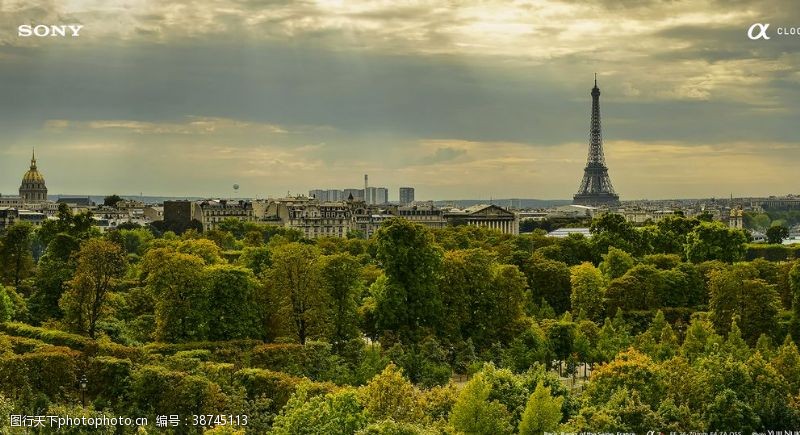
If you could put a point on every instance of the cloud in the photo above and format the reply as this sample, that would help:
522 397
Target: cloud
476 97
442 155
192 125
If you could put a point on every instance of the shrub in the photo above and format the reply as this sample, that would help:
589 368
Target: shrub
52 336
159 390
276 386
109 378
51 372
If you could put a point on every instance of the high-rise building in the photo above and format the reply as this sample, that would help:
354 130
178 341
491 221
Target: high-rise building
382 195
32 189
334 195
596 188
319 194
358 194
406 195
376 195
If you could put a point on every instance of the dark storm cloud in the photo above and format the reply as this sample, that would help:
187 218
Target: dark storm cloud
362 86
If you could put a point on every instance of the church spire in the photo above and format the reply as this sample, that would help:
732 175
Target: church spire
33 158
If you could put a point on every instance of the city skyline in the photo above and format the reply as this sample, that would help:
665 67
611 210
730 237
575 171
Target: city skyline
484 100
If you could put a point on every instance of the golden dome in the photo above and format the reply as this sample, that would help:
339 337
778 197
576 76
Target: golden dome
33 175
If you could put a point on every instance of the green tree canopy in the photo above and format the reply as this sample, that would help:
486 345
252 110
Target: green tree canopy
776 234
736 292
411 261
549 280
100 266
588 288
474 413
715 241
542 412
16 259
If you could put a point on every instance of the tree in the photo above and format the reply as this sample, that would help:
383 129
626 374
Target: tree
616 262
233 226
527 348
542 412
336 413
671 233
100 265
588 287
6 306
79 226
203 248
612 338
464 286
641 288
561 335
612 229
776 234
112 200
727 411
483 301
630 370
473 413
549 280
794 286
232 311
341 278
255 258
735 293
787 361
135 241
700 338
735 345
391 396
505 315
16 259
177 282
411 261
55 269
295 279
715 241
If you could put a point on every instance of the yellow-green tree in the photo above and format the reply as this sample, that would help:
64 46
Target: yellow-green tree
391 396
588 287
616 262
735 292
474 413
177 283
542 412
100 266
294 280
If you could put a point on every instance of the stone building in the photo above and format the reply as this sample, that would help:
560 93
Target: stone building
33 189
482 215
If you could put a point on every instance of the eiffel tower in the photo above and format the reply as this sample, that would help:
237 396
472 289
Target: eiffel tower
596 188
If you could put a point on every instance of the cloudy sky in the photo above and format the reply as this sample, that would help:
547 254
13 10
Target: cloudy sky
461 99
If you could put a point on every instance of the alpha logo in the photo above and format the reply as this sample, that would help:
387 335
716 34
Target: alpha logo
762 31
41 30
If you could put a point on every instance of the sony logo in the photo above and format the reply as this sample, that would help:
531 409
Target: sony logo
42 30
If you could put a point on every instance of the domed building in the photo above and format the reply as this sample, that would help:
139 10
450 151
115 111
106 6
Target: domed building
33 190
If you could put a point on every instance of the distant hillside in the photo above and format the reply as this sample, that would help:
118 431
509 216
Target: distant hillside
146 199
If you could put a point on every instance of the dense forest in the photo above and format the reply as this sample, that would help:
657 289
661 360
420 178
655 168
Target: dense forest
672 326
